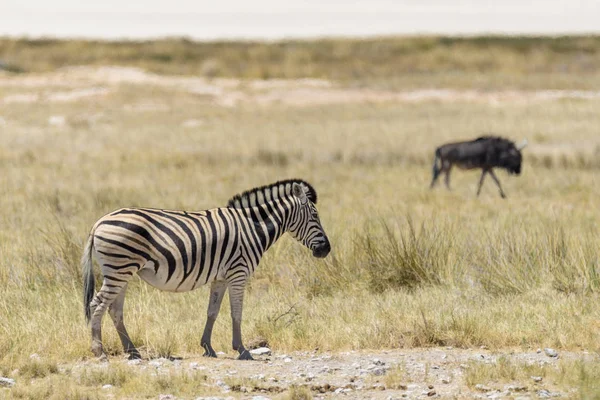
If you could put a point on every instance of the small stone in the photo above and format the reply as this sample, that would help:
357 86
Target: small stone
261 351
222 385
431 393
430 387
134 362
482 388
6 382
338 390
166 397
538 351
550 352
543 394
536 378
287 360
220 353
445 381
192 123
483 347
107 386
517 388
378 371
260 398
498 395
57 120
378 362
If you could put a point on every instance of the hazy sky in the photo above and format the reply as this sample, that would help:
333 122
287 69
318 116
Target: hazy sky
273 19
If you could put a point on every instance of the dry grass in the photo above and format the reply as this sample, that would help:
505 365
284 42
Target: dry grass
583 374
409 267
479 62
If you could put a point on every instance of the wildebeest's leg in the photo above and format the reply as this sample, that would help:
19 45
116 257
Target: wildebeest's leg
116 313
217 290
236 299
497 183
436 171
447 168
485 171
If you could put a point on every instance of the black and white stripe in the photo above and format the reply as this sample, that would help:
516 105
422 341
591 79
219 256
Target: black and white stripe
179 251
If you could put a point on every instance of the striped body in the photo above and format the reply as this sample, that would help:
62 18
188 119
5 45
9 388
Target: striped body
196 248
179 251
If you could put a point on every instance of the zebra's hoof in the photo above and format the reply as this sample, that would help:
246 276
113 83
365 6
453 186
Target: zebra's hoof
134 355
103 358
245 355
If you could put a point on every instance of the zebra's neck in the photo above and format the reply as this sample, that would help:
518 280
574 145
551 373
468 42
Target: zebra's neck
271 219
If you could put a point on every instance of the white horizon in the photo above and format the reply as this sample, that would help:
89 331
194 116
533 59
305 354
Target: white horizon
275 20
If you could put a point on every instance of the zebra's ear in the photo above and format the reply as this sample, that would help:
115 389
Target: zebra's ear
299 192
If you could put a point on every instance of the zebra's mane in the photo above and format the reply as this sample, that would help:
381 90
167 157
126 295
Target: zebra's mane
257 196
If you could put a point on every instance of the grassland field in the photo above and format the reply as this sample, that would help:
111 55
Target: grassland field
411 268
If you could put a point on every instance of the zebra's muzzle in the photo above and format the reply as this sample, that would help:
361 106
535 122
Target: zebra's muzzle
322 249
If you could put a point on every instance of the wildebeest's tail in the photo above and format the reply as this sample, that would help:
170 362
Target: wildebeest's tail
437 163
89 282
437 167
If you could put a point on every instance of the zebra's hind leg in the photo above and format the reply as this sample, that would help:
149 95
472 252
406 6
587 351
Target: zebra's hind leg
102 301
236 300
217 290
116 313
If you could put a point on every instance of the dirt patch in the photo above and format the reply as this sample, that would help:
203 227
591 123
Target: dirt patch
86 82
415 373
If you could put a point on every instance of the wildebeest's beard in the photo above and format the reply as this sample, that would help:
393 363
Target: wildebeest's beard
512 165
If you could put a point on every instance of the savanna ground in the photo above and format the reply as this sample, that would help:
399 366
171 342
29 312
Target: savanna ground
423 288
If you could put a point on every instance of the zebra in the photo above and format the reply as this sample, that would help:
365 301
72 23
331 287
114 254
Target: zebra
179 251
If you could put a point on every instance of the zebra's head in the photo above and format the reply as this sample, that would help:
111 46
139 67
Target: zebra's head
305 225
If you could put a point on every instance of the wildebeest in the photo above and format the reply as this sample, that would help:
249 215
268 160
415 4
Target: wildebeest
486 152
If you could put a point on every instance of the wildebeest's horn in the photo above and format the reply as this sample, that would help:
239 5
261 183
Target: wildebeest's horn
522 145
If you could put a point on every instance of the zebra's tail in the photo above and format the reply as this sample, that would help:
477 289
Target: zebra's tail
89 282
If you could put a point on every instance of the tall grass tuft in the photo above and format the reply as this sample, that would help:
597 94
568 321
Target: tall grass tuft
406 259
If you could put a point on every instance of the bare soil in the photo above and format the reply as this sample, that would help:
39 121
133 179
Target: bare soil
77 83
393 374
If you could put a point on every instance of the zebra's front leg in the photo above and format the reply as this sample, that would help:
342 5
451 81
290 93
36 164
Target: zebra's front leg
217 290
236 299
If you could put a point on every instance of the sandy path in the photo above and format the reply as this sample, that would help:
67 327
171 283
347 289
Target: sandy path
77 83
414 373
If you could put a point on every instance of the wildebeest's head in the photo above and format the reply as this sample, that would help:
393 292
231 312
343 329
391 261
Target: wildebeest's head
509 156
